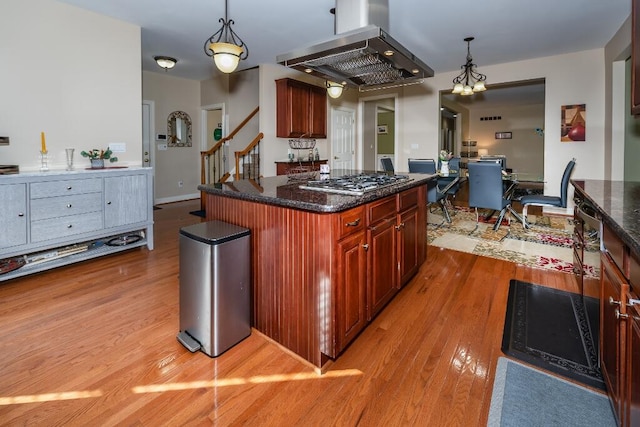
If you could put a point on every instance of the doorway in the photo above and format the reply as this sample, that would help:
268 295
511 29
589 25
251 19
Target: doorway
342 139
378 132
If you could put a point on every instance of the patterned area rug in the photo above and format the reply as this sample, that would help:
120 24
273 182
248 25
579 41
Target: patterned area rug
548 243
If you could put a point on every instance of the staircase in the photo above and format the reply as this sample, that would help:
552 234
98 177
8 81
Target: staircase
247 161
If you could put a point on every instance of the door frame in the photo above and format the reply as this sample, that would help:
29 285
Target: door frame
203 130
361 127
152 141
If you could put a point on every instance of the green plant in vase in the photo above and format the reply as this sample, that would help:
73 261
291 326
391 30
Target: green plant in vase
97 157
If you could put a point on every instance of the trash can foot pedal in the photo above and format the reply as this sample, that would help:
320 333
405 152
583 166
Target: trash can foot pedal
187 341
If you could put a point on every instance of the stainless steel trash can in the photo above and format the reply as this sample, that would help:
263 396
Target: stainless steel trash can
214 286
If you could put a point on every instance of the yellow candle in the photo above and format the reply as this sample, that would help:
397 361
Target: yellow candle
44 144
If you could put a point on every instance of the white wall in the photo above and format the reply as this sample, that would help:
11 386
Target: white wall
176 163
72 74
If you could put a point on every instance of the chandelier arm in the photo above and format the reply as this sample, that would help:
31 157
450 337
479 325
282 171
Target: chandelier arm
213 38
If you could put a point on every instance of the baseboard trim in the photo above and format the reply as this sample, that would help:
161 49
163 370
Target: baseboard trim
180 198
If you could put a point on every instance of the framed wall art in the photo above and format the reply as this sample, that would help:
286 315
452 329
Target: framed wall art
573 123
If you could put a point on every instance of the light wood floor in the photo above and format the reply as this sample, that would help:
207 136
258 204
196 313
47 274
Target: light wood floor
94 344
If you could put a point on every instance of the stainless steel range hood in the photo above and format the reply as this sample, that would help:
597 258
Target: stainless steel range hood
366 56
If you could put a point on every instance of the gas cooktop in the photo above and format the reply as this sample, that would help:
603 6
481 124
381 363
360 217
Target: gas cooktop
354 185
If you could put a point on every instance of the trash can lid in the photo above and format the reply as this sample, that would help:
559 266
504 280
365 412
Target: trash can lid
214 232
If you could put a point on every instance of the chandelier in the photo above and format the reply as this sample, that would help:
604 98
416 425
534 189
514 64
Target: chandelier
226 47
469 81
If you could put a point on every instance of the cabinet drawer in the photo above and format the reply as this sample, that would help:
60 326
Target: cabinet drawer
350 221
407 199
615 248
55 228
40 190
53 207
381 209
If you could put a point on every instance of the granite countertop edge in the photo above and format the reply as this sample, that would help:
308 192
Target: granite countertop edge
335 203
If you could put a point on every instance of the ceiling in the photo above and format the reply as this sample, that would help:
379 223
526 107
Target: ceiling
504 30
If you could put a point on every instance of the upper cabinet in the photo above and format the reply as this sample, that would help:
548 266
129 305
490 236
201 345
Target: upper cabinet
301 110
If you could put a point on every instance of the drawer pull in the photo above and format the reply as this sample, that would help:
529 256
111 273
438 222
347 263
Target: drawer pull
21 214
613 302
70 226
108 203
69 187
353 223
69 205
400 226
621 315
365 247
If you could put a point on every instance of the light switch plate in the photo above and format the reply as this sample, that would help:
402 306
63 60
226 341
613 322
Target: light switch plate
118 147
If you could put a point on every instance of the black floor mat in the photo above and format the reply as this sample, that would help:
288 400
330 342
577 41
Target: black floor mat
553 330
199 213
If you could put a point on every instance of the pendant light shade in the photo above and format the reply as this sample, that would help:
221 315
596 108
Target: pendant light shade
334 90
469 81
225 46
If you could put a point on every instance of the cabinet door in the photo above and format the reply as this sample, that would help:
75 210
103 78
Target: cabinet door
633 374
408 259
318 112
13 215
350 290
126 200
613 291
381 265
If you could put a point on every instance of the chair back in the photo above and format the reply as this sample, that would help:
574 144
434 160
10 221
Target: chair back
387 164
454 166
422 166
564 184
501 159
485 185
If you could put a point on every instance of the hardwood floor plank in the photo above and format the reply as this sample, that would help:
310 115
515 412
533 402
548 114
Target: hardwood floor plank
95 344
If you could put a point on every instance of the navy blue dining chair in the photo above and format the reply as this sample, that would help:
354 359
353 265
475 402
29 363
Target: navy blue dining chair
435 195
486 191
543 200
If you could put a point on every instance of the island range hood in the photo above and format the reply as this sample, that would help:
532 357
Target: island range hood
361 54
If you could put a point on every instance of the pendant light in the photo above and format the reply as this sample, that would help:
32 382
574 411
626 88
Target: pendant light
334 89
469 81
226 47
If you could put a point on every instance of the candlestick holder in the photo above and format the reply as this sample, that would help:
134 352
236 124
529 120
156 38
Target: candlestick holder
44 161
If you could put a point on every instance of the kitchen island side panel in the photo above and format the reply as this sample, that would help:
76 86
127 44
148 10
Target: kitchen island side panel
291 271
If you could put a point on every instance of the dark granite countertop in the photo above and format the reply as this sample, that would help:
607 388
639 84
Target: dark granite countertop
283 191
619 204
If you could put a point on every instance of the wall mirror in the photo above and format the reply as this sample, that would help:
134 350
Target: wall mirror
179 129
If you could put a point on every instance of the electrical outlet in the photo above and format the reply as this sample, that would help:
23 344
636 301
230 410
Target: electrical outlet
180 184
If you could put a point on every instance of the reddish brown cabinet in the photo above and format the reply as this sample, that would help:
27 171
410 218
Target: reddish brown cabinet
301 110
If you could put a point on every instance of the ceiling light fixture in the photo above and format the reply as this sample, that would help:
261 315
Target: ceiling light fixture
165 62
225 46
334 89
469 81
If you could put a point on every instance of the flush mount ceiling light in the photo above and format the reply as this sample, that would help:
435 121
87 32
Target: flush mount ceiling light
225 46
334 89
469 81
165 62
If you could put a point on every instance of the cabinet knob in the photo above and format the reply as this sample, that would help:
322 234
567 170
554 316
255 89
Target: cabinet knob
353 223
108 203
400 226
621 315
69 187
69 205
613 302
365 246
21 214
70 226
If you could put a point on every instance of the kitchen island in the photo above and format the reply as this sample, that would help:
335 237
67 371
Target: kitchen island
324 264
617 206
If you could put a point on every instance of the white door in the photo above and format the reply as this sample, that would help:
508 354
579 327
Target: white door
342 139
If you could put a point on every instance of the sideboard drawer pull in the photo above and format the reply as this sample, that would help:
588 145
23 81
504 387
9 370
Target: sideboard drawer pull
69 205
70 226
353 223
69 187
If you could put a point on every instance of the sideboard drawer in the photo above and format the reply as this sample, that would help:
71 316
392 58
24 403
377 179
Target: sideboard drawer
65 187
350 221
53 207
54 228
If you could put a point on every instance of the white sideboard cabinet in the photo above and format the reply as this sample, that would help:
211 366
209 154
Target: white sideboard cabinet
51 219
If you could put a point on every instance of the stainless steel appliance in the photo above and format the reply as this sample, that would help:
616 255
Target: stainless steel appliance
354 185
215 286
